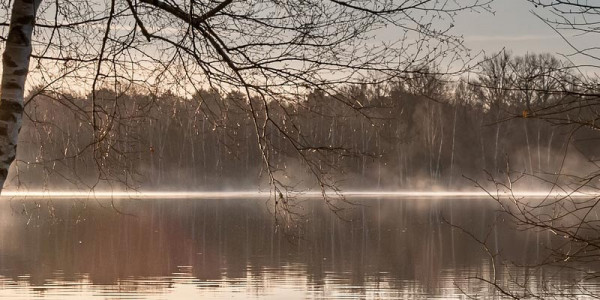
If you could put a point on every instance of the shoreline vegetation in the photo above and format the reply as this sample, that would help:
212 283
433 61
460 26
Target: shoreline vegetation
420 131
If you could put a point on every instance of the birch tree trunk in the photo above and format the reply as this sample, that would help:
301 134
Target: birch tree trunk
15 64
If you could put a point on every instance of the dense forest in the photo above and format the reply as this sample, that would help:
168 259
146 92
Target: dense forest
423 129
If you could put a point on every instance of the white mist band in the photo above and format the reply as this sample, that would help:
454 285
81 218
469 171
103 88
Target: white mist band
266 194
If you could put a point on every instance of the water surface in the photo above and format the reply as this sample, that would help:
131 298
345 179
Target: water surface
232 248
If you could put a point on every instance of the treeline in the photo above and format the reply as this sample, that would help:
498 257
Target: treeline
420 130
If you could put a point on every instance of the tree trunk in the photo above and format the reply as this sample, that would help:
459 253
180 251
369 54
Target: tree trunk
15 63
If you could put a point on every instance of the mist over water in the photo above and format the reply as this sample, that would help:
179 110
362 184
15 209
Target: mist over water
231 248
406 141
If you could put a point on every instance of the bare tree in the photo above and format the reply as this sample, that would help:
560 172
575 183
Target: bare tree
578 89
275 52
564 94
15 64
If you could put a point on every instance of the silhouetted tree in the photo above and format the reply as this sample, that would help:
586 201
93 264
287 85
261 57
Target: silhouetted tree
273 52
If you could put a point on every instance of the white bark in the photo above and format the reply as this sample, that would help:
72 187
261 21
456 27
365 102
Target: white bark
15 63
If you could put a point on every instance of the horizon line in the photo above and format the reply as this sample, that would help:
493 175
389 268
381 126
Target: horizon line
266 194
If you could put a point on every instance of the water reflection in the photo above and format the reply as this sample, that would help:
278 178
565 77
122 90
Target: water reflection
223 248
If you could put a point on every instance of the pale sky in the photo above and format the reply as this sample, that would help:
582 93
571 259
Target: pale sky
512 26
515 28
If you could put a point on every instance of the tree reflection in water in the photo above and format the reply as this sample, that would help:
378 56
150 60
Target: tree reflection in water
230 247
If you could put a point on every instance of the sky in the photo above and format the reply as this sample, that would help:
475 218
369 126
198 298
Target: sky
513 26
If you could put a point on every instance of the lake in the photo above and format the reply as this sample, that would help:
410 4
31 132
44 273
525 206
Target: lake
234 249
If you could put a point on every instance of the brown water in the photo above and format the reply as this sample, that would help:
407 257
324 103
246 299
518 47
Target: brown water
231 249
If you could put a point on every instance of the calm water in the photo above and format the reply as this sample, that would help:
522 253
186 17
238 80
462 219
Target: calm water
224 249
